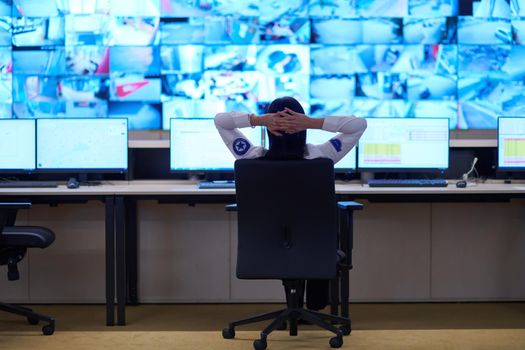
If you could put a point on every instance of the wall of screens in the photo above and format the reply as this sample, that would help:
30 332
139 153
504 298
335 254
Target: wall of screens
152 60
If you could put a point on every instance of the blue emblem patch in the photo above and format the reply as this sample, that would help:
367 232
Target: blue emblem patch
337 144
241 146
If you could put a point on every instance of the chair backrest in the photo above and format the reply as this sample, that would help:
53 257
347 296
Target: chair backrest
287 223
8 213
21 236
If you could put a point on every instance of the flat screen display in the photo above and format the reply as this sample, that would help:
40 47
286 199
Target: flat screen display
82 144
317 137
196 145
17 145
169 59
399 143
511 143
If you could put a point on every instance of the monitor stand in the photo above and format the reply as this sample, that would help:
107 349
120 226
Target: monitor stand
366 175
218 177
346 176
83 179
508 178
193 176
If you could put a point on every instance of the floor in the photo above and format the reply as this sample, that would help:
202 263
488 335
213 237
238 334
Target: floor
197 326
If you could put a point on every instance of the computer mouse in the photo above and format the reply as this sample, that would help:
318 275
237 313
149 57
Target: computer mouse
461 184
72 183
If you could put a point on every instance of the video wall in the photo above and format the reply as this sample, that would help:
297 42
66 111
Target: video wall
152 60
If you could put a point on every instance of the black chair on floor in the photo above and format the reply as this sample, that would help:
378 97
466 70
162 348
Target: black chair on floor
14 241
287 230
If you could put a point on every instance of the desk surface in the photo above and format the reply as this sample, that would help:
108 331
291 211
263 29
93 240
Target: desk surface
190 188
177 187
102 190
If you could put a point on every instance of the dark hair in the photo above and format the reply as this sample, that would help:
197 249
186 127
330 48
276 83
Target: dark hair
287 146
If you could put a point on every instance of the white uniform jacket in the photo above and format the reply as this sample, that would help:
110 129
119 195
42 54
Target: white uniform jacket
349 131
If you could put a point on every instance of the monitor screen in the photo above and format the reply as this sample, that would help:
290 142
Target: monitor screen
511 143
378 58
399 143
82 144
17 145
195 144
317 137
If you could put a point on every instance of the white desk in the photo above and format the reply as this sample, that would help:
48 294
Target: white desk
62 194
181 188
485 188
121 196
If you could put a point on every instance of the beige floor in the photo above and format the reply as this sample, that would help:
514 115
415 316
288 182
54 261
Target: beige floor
376 326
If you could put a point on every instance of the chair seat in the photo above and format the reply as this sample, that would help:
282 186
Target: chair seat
26 236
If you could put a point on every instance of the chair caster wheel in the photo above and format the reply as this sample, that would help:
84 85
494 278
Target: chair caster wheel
228 333
260 344
346 329
33 321
336 342
48 329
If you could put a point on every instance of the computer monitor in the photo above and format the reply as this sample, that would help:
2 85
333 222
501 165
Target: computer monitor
317 137
404 144
83 145
17 145
195 145
511 143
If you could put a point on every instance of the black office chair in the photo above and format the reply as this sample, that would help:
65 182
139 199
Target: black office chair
287 230
14 241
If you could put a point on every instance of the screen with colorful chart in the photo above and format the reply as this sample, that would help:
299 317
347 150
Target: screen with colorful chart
511 143
405 143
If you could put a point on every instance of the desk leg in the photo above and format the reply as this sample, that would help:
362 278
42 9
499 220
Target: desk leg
11 217
346 229
132 250
121 260
334 296
110 261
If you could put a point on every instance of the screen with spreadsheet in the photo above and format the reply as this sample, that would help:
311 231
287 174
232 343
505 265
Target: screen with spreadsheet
17 145
82 144
196 145
399 143
318 136
511 143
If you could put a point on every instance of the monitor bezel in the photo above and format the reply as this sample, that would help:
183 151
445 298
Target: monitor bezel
337 170
83 170
404 169
21 171
506 169
341 170
200 170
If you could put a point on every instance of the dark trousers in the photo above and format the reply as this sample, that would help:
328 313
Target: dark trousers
317 294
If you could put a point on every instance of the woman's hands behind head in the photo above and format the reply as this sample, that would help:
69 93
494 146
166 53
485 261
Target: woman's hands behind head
272 121
289 122
297 122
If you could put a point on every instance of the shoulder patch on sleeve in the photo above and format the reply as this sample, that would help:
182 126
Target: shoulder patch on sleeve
240 146
337 144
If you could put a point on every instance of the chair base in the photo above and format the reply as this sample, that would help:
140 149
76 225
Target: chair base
292 314
32 317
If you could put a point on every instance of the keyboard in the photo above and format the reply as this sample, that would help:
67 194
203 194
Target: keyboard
28 184
407 183
216 184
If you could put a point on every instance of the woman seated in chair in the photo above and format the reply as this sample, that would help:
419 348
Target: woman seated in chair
286 125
